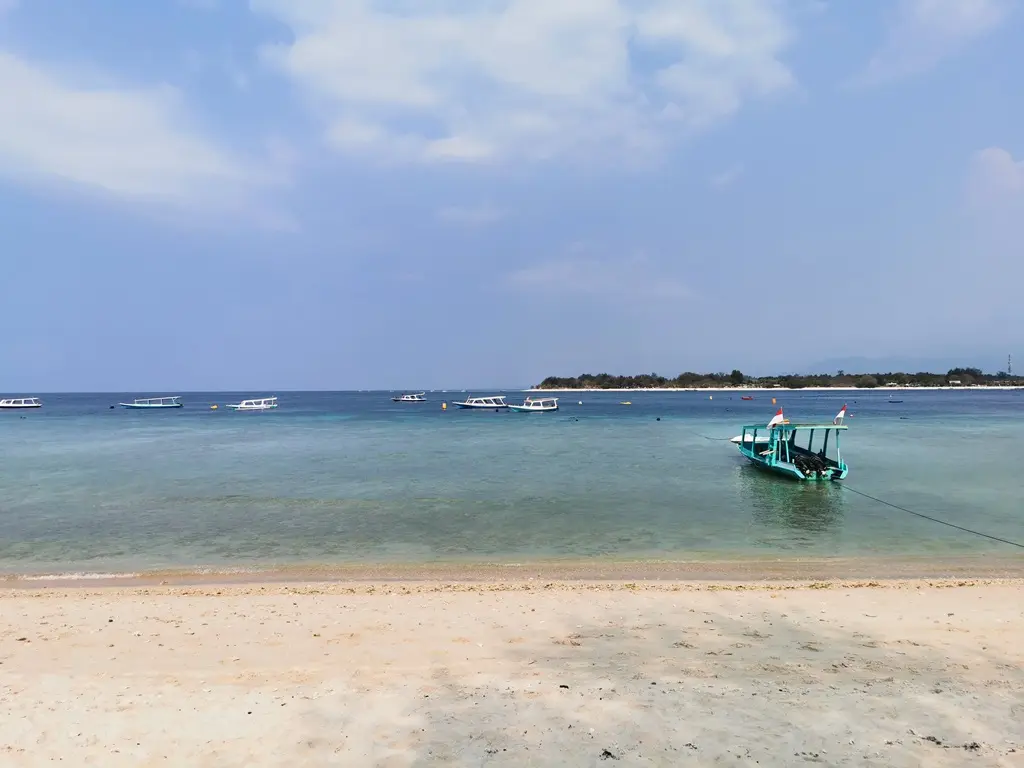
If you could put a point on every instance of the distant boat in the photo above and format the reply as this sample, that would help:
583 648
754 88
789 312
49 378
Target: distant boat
626 402
536 405
257 404
417 397
154 402
747 397
894 401
21 402
491 402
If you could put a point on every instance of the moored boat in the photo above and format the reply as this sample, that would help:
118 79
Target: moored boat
413 397
536 405
15 403
256 404
776 448
491 402
170 401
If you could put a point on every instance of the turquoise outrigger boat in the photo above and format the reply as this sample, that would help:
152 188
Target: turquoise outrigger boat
776 448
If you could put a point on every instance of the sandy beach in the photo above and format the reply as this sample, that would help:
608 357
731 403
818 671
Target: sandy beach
515 673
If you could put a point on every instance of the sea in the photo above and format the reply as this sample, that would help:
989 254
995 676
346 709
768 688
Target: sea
353 478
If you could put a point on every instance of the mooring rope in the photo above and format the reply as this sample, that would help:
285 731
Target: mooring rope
933 519
923 516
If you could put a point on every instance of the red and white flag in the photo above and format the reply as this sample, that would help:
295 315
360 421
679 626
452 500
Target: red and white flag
840 416
776 419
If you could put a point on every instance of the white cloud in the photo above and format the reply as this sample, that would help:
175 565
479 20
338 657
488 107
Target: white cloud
727 178
627 278
526 79
996 181
470 216
924 32
130 143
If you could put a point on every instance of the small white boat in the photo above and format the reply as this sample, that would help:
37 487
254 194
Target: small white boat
492 402
536 405
21 402
416 397
257 404
154 402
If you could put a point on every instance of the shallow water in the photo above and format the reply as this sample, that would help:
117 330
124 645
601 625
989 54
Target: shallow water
353 477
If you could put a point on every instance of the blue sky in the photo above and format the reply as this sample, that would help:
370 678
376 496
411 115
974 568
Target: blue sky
330 194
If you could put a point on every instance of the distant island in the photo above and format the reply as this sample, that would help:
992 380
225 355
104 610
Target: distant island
955 377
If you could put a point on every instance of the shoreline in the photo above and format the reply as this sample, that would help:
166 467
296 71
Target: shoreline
764 570
972 388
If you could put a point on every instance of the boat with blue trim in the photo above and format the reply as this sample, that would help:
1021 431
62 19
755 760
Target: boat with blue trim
148 403
776 447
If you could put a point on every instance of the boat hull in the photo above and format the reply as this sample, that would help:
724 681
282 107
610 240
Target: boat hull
135 407
522 409
20 407
250 409
791 471
476 407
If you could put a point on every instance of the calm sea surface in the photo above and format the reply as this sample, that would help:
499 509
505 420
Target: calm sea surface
352 477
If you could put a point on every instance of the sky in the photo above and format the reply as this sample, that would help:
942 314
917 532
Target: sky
351 194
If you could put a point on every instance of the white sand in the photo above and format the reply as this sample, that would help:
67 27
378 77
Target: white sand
520 674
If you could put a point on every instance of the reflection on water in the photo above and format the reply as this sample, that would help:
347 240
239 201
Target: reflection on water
803 510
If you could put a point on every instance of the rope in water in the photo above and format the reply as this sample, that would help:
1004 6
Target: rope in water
933 519
908 511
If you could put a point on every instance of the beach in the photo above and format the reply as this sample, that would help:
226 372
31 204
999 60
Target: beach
514 672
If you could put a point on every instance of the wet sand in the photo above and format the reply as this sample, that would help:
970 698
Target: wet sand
515 673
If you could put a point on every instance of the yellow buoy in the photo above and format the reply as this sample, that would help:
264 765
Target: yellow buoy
444 406
213 407
773 401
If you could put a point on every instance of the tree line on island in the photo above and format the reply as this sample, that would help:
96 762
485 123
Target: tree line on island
963 377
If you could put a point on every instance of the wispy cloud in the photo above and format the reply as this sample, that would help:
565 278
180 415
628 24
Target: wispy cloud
136 144
996 178
924 32
470 216
728 177
525 79
633 277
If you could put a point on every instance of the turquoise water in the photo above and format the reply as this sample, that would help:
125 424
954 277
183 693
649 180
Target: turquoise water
352 477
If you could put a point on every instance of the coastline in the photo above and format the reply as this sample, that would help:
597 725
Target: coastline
755 569
901 673
972 388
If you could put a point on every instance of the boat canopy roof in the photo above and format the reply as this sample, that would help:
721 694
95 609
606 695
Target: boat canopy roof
794 427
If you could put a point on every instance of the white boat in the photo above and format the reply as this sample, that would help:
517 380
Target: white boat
21 402
536 405
154 402
257 404
492 402
416 397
